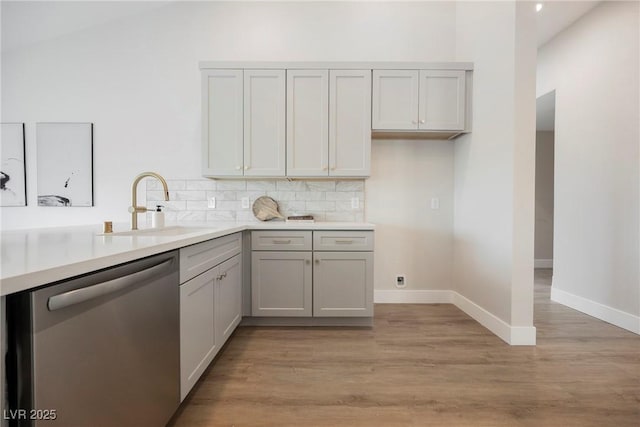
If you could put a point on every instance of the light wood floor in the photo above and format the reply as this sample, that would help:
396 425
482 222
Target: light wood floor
424 365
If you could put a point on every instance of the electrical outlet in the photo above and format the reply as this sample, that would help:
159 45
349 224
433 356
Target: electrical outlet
211 203
435 203
245 203
355 203
401 280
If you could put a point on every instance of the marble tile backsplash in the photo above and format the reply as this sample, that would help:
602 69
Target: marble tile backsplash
325 200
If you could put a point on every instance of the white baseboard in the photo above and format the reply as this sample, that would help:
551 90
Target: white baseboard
543 263
600 311
514 335
409 296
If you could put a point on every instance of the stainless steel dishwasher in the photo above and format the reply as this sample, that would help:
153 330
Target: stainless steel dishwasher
98 350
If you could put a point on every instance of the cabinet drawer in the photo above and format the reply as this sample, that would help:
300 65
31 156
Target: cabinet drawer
281 240
198 258
343 241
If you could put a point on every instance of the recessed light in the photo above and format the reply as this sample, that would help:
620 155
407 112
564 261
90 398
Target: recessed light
538 7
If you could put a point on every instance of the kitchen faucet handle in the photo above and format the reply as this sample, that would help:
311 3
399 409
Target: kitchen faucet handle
136 209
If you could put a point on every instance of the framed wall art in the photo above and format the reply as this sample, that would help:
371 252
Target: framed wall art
65 164
13 177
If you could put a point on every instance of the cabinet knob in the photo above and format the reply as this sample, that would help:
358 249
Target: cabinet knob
246 167
415 122
317 261
307 262
324 168
422 122
238 168
333 168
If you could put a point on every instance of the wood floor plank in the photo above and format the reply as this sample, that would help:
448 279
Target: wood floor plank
424 365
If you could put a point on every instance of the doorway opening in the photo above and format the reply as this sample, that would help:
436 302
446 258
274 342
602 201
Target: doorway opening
544 193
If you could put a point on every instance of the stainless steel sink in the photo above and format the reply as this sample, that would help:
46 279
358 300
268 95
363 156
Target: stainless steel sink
159 232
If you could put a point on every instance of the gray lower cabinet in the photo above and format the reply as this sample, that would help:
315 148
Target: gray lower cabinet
343 284
210 304
229 298
198 343
281 284
286 283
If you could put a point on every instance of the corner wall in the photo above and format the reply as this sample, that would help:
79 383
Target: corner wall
594 68
494 176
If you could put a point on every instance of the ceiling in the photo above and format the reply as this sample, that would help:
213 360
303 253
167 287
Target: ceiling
18 16
57 18
555 16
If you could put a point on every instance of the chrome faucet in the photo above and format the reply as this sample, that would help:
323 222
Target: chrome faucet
134 209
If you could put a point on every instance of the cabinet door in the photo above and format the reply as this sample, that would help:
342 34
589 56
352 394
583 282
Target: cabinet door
198 343
343 284
307 117
442 99
229 298
349 122
264 123
222 107
281 284
395 99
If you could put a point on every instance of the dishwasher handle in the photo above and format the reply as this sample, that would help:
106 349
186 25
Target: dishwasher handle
78 296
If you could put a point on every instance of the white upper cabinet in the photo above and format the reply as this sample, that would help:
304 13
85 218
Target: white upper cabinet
222 129
306 120
244 122
429 100
442 95
395 99
349 122
307 127
264 123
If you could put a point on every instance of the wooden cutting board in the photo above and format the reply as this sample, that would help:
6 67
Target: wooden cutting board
265 209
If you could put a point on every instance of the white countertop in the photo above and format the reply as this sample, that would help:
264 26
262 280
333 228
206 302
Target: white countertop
36 257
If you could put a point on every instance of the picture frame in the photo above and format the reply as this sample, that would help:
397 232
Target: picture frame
13 172
65 164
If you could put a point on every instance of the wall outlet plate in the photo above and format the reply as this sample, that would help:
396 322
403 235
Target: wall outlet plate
211 203
355 203
401 280
245 203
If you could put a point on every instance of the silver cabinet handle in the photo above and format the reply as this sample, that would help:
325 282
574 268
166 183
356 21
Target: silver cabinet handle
344 242
77 296
281 242
317 261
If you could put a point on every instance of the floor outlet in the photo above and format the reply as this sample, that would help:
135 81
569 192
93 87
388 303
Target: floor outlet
211 203
401 281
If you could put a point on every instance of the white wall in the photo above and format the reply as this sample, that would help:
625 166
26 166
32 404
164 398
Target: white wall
593 66
493 184
412 238
137 79
544 199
